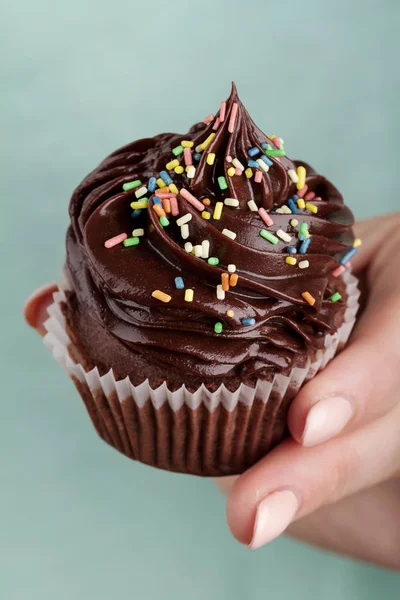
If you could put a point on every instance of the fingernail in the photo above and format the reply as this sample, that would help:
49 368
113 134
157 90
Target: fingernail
326 419
32 305
274 514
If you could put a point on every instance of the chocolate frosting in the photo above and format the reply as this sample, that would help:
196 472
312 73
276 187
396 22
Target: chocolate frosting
114 286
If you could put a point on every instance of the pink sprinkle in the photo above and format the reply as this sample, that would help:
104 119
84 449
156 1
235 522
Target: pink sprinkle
222 111
216 124
165 195
301 193
317 199
309 196
277 142
232 120
238 171
265 217
208 119
174 206
348 265
118 239
258 177
229 158
338 271
192 200
187 155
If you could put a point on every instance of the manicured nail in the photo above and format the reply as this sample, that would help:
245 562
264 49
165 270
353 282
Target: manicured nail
274 514
326 419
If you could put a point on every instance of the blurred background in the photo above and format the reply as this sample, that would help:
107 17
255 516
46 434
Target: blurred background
79 80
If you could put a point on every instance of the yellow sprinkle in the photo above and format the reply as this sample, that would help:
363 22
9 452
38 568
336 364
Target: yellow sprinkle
208 141
294 222
210 158
187 144
161 296
179 170
301 172
230 313
173 188
161 183
172 164
308 298
206 215
189 295
290 260
249 173
218 210
308 234
301 203
139 204
206 201
357 243
311 207
231 171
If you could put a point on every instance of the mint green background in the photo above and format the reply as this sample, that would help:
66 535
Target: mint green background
80 79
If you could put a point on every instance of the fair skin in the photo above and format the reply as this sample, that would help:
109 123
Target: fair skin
335 482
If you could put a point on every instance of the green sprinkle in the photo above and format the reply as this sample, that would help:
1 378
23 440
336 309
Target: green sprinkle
218 327
177 150
222 183
213 260
275 152
131 185
303 229
335 297
267 235
133 241
164 221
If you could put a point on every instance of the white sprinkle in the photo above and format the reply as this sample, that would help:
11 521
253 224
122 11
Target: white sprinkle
205 245
191 172
231 202
284 210
294 222
252 205
304 264
199 148
188 247
229 233
220 293
293 175
284 236
185 231
137 232
263 165
231 268
184 219
198 251
236 163
142 191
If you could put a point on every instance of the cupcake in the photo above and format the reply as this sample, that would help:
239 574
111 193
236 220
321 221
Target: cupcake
207 278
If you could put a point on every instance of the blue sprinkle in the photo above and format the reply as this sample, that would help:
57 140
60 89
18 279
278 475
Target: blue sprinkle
264 145
304 246
294 197
249 321
179 283
348 256
165 177
197 156
253 163
151 186
291 250
292 205
157 201
266 160
253 151
136 213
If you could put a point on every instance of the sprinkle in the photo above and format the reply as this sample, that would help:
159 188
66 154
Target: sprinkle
206 201
292 206
133 241
173 188
236 163
137 232
308 298
218 325
151 186
248 322
220 293
177 150
274 153
162 195
161 296
309 196
300 203
166 177
231 202
264 146
290 260
304 246
266 160
357 243
222 182
284 210
190 171
206 215
230 234
232 268
222 111
172 164
216 124
167 205
338 271
213 260
284 236
229 158
198 250
336 296
238 172
136 213
303 228
348 256
205 246
187 144
189 295
303 192
197 156
185 231
141 192
162 191
270 237
231 171
262 165
164 221
249 173
258 177
253 163
210 158
291 250
252 205
253 151
301 172
294 222
187 155
311 207
158 209
232 120
206 142
184 219
140 203
115 240
304 264
265 217
161 183
293 175
179 283
209 118
230 313
188 247
130 185
218 210
233 279
225 281
179 170
191 199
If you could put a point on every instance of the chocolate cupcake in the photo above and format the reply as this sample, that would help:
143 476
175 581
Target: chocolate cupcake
207 278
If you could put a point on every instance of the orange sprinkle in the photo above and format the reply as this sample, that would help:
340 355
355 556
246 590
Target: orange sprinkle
206 201
161 190
230 313
158 209
234 279
225 281
167 205
308 298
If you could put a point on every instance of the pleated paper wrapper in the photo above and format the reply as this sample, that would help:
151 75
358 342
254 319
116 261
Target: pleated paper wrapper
202 433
